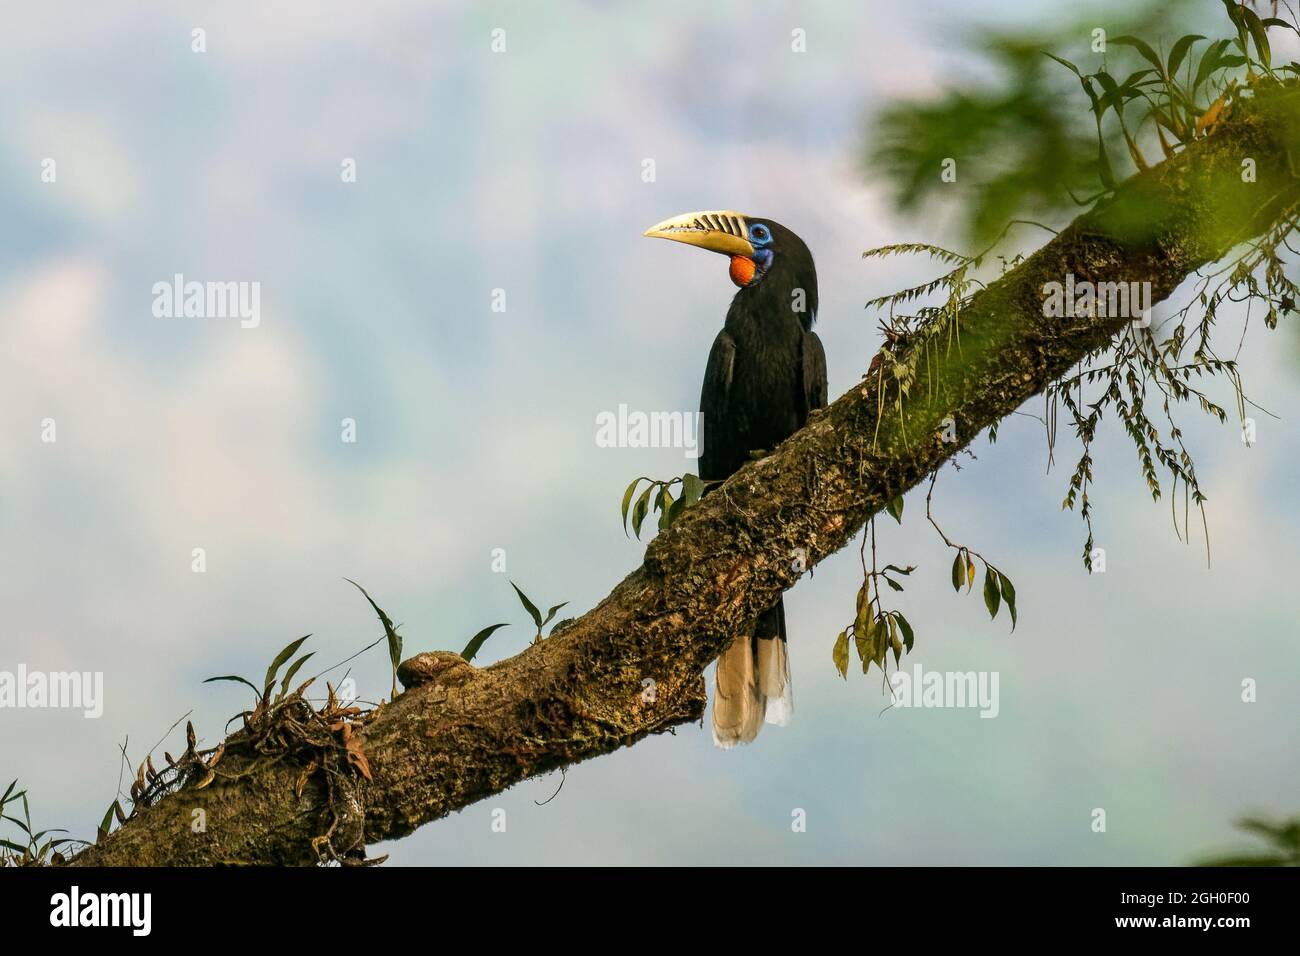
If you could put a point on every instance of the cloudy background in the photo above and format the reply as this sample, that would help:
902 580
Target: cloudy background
522 171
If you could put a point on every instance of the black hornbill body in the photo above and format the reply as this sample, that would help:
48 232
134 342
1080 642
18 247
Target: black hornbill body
766 373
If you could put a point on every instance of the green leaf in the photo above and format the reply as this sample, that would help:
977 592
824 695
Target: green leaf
1113 97
665 505
992 596
1133 85
1209 63
1009 595
640 509
676 510
906 628
897 570
862 622
1180 50
394 639
551 613
840 655
8 790
958 573
1258 33
1167 121
476 642
1283 834
862 641
232 677
893 584
692 488
107 822
627 500
1104 170
1143 48
27 813
288 652
895 644
895 508
529 606
877 638
1067 64
293 669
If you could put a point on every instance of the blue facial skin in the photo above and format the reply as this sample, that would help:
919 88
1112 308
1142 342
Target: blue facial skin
760 237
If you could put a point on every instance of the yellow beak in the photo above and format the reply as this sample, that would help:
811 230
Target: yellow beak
722 231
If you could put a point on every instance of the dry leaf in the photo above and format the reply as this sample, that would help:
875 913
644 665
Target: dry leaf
1206 121
303 777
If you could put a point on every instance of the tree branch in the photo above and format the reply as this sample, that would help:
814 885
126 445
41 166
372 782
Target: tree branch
462 733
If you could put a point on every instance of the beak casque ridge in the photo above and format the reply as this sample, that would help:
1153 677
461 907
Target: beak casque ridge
722 230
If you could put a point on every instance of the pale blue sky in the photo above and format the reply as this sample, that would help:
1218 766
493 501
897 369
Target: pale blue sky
476 429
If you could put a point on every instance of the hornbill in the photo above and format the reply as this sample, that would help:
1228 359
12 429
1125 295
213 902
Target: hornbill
766 373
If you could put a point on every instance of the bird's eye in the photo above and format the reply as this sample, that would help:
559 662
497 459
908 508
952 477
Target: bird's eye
759 233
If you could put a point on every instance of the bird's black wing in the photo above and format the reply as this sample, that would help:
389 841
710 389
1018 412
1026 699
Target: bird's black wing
716 455
814 373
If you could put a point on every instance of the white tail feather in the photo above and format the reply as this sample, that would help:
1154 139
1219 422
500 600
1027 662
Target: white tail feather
751 685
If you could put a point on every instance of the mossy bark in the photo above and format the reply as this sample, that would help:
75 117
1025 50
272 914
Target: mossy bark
469 733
